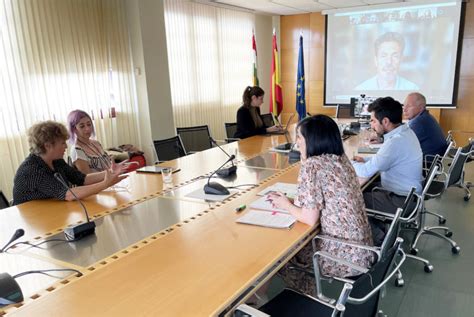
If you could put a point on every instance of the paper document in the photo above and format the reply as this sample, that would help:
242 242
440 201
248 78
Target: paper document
288 189
263 204
267 219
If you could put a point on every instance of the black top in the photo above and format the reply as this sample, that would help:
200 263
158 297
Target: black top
245 125
34 179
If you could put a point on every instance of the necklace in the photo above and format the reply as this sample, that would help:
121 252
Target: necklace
102 157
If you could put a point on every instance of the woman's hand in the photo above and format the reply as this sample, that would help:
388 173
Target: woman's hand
274 129
280 201
120 167
113 177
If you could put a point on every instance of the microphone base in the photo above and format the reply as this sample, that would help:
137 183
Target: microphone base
9 289
226 172
213 188
294 156
80 231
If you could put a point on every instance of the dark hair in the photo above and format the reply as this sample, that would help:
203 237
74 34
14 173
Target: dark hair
322 136
390 37
387 107
249 92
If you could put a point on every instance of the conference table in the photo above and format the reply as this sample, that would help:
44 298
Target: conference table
157 251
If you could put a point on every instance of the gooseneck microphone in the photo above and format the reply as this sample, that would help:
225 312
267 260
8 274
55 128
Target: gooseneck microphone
214 188
225 172
81 230
18 233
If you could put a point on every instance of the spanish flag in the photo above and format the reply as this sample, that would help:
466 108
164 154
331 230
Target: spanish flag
276 98
254 47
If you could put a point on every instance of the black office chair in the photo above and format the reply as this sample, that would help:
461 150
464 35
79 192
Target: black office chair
196 138
268 120
432 188
467 151
169 149
3 201
345 111
230 129
359 297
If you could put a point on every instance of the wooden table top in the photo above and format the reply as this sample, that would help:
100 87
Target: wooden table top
196 268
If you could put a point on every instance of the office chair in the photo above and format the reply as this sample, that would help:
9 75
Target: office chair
408 218
3 201
169 149
359 297
230 129
345 111
268 120
435 188
468 151
196 138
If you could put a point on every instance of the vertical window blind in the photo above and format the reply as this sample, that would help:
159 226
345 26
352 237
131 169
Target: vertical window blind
61 55
210 62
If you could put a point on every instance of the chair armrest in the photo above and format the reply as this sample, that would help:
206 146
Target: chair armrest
326 255
246 310
374 213
352 244
353 300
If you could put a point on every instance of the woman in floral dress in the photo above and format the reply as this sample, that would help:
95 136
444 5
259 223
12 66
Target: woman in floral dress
328 194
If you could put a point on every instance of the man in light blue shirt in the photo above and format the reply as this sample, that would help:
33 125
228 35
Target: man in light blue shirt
399 160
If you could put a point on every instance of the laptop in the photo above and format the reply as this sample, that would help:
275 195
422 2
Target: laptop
284 131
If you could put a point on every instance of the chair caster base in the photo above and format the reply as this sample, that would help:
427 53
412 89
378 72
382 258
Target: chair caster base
399 282
449 234
414 251
466 198
428 268
442 221
456 249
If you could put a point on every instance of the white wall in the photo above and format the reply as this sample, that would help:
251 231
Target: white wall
150 59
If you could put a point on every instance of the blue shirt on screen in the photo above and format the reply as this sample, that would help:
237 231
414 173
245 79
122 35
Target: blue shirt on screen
429 133
399 161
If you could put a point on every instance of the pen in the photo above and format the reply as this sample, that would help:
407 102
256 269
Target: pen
240 208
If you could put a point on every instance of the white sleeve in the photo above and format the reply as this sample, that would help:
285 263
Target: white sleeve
78 153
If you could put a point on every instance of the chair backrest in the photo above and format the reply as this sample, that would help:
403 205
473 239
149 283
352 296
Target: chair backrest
364 297
169 149
196 138
393 230
456 170
3 201
230 129
268 119
345 111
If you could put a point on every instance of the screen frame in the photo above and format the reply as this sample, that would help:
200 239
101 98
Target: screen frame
454 98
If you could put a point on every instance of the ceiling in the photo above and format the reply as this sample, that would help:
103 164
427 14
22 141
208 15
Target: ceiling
288 7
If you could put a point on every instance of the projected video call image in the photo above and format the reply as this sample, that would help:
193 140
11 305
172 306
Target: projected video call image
392 52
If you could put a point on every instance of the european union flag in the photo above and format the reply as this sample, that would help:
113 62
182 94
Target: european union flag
300 90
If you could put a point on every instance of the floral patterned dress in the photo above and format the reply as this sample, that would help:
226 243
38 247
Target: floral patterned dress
329 183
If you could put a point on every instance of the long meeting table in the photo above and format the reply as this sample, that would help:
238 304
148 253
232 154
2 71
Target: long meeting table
156 250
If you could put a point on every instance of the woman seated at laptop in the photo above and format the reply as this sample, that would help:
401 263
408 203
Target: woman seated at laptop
43 172
249 120
329 194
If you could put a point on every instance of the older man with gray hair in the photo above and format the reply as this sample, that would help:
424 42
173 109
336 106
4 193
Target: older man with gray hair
425 126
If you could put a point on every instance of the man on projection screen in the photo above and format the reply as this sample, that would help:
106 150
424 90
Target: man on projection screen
388 54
